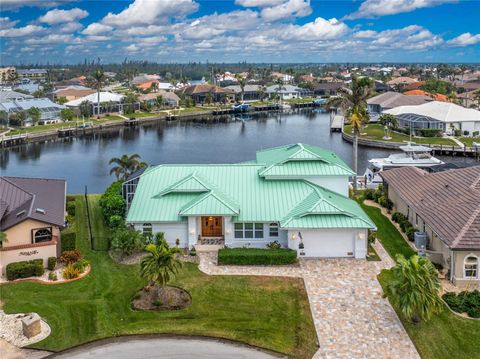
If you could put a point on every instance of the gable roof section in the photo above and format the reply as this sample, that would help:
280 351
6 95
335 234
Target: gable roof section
326 209
211 203
301 160
448 201
191 183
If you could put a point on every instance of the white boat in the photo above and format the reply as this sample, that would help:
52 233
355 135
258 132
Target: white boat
411 156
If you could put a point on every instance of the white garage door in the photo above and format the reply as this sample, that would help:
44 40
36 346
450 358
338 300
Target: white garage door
328 243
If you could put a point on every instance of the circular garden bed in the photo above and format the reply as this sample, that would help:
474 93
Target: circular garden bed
164 298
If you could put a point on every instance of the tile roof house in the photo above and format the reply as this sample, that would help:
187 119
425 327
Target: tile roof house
49 111
446 206
32 212
294 194
199 93
385 101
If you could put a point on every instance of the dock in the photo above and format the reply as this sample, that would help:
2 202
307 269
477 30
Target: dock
13 140
130 122
336 123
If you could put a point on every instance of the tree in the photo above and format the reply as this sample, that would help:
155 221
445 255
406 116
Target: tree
161 264
129 102
98 80
85 109
67 114
35 114
62 100
209 98
160 101
3 238
414 288
389 121
353 103
242 81
18 118
279 88
126 165
127 241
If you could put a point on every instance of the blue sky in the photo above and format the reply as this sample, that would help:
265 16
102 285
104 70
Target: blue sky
68 31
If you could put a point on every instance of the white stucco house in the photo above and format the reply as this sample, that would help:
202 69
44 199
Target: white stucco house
295 194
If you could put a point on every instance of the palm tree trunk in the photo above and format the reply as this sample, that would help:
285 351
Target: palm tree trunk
355 158
98 103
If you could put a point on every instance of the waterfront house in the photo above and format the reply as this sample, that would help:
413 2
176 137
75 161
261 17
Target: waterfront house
203 92
295 194
401 81
445 206
287 92
9 95
71 93
109 102
250 92
385 101
326 89
436 96
32 212
169 98
49 111
444 116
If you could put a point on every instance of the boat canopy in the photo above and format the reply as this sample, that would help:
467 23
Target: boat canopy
413 148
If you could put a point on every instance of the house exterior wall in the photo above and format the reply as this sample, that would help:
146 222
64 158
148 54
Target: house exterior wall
231 241
21 234
459 258
27 254
172 231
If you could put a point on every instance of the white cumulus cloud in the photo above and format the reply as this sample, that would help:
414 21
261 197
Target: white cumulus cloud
289 9
22 31
58 16
96 29
320 29
465 39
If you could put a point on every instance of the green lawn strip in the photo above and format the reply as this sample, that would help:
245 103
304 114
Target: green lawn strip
468 141
141 114
272 313
376 132
191 110
299 100
444 336
388 234
372 254
101 233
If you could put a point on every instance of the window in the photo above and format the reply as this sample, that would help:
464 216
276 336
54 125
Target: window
248 230
43 235
471 267
273 231
147 230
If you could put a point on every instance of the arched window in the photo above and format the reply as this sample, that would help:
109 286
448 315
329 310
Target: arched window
147 230
273 229
470 266
43 235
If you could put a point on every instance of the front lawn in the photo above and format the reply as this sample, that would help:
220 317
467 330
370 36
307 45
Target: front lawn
376 132
272 313
468 141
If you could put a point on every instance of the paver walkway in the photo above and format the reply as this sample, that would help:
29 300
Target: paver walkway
351 317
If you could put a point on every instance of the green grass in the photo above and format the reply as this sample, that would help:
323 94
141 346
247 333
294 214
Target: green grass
141 114
388 234
192 110
101 234
272 313
376 132
299 100
40 128
372 255
469 140
444 336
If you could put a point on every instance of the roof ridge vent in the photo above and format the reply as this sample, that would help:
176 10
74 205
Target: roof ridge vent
40 210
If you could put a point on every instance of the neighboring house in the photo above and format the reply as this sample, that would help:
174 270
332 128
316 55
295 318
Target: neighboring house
137 80
440 115
109 102
401 81
75 81
49 111
287 92
169 98
381 87
250 92
467 86
445 206
470 99
32 73
72 92
295 194
201 93
436 97
28 86
8 95
326 89
414 85
286 78
385 101
32 212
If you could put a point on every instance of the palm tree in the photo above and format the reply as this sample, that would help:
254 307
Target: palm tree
353 103
414 288
126 165
242 81
98 80
389 121
279 88
161 264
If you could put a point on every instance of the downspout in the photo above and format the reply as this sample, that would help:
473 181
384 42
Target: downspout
452 264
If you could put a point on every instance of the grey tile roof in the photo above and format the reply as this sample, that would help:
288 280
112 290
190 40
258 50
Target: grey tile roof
448 201
34 198
391 99
12 95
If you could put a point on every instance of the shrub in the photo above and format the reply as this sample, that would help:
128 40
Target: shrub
457 132
377 195
112 202
127 241
372 235
464 302
256 256
410 232
71 208
396 216
70 272
68 241
51 263
429 132
193 252
466 133
25 269
274 245
52 276
369 193
116 221
475 133
79 265
69 257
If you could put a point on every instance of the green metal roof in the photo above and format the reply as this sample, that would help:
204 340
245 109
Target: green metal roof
170 193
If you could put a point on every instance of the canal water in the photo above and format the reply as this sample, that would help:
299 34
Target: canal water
83 161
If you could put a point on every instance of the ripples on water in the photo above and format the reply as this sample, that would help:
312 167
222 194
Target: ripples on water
84 160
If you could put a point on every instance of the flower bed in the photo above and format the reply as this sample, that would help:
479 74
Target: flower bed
464 302
256 256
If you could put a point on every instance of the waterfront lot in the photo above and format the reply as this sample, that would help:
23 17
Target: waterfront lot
269 312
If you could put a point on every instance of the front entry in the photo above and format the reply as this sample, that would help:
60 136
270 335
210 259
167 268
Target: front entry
212 226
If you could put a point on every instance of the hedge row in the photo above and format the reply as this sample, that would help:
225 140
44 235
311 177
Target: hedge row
68 241
25 269
464 302
256 256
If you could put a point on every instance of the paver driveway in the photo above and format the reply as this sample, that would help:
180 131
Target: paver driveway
351 317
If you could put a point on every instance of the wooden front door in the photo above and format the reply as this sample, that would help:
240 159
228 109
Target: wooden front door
212 226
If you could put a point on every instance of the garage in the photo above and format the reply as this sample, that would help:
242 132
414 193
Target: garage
328 243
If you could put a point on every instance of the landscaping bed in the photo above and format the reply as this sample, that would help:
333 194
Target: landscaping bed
256 256
164 298
464 302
